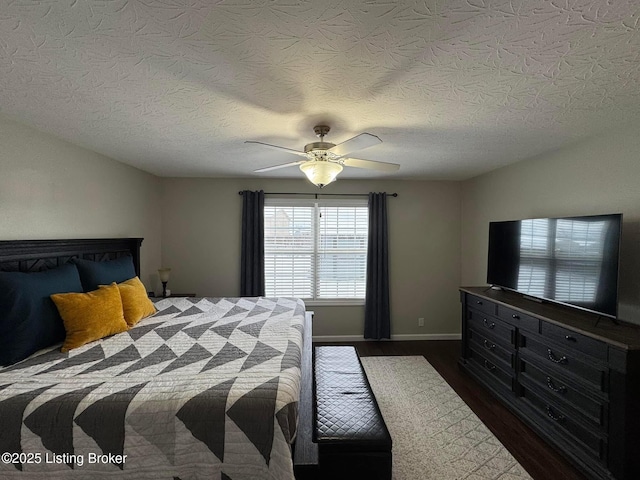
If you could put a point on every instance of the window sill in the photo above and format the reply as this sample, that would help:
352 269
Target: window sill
335 303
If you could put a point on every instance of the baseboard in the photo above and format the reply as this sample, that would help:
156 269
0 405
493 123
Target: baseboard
400 337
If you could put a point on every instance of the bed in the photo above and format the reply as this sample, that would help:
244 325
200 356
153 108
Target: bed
205 388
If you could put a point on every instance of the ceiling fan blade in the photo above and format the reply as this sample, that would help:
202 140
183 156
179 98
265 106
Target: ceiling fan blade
275 167
370 164
276 147
358 142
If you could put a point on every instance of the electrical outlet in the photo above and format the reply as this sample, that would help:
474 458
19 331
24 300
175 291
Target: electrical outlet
421 322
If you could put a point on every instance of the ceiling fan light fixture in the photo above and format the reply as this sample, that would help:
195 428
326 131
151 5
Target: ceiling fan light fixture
321 173
323 161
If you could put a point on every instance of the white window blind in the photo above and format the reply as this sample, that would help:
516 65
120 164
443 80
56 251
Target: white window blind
584 241
316 250
535 252
549 250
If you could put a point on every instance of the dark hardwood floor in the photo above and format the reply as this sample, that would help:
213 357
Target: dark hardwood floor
540 460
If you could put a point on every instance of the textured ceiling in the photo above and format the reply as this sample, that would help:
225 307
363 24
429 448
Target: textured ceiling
453 88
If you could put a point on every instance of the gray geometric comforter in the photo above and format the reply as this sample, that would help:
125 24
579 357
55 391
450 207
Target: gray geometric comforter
206 388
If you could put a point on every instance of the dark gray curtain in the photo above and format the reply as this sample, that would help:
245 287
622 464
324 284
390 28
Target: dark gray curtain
252 255
377 317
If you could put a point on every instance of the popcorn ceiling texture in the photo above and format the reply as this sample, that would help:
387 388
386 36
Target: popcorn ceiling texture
453 88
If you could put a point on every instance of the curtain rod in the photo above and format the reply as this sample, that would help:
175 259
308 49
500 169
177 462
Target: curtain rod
325 194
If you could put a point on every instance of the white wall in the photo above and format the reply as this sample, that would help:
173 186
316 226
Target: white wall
51 189
201 234
600 175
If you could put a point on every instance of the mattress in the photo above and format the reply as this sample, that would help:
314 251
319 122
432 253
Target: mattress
205 388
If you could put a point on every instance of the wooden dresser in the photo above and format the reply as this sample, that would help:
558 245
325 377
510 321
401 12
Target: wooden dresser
572 376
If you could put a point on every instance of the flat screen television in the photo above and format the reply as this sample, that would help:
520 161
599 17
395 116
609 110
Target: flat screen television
572 260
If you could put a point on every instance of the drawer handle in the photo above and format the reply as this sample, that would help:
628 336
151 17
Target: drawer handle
489 366
491 325
554 359
569 338
488 345
560 389
478 302
515 317
553 416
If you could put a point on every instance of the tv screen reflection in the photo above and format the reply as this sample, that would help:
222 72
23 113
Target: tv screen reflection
567 260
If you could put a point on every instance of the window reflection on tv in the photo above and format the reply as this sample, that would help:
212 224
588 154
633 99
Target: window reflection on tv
568 260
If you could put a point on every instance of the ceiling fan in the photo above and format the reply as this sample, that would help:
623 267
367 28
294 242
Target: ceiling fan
323 161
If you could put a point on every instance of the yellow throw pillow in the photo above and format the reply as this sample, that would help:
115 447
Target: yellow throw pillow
90 316
135 301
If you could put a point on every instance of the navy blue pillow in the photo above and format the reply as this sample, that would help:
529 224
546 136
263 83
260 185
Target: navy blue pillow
29 320
94 274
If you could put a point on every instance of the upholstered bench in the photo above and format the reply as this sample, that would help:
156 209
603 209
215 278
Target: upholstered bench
353 440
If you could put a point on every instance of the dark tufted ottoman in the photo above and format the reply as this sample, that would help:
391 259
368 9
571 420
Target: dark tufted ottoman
353 440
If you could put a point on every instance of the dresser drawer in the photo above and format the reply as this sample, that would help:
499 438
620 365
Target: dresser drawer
492 327
493 371
557 418
519 319
495 352
575 383
481 304
564 361
590 346
591 409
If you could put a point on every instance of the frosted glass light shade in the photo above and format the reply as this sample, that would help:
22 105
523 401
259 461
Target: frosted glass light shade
321 173
164 274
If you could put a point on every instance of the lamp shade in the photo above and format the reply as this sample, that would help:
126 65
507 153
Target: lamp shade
321 172
164 274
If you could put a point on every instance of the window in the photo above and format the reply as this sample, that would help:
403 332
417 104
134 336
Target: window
562 259
316 249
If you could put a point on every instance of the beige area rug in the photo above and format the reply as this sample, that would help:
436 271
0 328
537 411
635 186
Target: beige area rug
435 434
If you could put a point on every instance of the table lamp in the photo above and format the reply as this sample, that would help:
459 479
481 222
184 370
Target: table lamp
164 278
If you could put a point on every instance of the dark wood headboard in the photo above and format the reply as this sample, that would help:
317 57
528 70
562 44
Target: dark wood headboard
38 255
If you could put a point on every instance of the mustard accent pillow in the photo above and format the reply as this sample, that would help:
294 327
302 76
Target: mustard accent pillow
90 316
135 301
